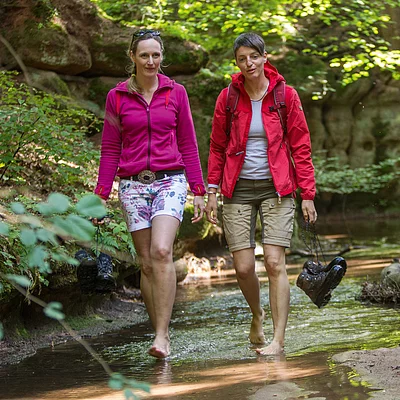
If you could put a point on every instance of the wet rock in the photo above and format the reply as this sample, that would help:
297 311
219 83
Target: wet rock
390 275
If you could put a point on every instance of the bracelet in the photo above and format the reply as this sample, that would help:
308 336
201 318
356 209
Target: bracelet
212 193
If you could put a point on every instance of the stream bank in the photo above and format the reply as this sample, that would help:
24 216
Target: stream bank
107 314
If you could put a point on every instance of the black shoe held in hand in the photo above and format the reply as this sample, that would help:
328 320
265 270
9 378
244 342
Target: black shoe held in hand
318 281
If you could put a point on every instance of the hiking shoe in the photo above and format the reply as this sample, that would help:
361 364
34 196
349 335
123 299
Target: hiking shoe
319 286
317 267
337 261
105 282
86 271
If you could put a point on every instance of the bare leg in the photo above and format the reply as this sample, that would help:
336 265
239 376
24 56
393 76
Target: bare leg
164 230
279 297
250 286
142 240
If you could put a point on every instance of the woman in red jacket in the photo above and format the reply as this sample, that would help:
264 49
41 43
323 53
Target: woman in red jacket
253 167
149 142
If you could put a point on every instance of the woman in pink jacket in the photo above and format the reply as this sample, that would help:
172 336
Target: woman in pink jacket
253 166
149 142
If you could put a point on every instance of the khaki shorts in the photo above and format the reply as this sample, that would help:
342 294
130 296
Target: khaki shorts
239 221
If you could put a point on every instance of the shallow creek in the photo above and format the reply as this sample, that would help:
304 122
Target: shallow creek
211 356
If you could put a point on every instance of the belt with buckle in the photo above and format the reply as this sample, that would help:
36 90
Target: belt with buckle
146 176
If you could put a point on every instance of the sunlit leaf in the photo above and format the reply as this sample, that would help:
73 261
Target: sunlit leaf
17 208
19 280
91 206
129 395
28 237
54 310
4 229
138 385
116 381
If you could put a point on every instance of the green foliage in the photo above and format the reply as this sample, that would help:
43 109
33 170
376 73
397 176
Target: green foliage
334 177
42 134
53 310
345 35
33 242
38 231
115 236
118 382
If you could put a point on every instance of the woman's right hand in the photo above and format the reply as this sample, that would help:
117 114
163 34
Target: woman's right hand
100 221
212 208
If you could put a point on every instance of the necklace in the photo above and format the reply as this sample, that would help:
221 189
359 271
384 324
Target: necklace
262 95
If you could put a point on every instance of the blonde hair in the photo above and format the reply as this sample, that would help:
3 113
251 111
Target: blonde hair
138 36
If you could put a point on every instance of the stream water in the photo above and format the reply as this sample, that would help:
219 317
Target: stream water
211 356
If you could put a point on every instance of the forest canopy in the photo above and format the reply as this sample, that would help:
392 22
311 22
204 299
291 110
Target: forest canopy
345 35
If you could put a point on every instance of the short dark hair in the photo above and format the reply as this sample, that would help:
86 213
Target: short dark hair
251 40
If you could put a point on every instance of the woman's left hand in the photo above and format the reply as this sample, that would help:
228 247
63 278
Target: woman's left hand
198 205
309 212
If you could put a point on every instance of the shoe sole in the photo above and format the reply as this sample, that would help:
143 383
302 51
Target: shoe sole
334 277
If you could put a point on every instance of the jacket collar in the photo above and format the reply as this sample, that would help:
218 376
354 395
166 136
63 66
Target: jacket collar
163 82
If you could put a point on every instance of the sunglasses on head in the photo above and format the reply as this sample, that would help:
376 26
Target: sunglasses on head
143 32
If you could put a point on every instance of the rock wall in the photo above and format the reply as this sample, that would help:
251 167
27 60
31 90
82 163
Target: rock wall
360 124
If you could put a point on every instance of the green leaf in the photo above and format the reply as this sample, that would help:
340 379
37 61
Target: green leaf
129 395
17 208
19 280
59 202
116 381
28 237
37 256
1 287
53 310
81 228
74 226
65 258
4 229
91 206
134 384
46 236
1 331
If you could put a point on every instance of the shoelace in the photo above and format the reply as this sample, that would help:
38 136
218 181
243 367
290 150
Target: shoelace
310 238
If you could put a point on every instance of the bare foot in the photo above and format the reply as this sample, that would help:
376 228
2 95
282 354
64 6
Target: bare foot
273 349
160 348
256 330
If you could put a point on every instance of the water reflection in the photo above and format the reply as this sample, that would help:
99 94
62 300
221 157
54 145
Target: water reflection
211 356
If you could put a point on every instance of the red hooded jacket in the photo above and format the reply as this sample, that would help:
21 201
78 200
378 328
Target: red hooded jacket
227 153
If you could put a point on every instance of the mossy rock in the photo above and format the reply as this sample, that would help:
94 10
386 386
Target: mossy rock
183 57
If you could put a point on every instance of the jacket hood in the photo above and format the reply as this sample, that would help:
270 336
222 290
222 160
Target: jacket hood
269 71
163 81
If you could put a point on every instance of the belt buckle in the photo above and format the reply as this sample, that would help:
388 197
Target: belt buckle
146 176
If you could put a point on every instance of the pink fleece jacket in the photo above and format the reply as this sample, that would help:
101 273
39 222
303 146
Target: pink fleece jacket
158 136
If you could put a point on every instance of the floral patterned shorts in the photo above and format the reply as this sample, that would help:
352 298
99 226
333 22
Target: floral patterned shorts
142 202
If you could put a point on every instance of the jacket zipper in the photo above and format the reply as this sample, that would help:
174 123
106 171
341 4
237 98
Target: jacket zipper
149 134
